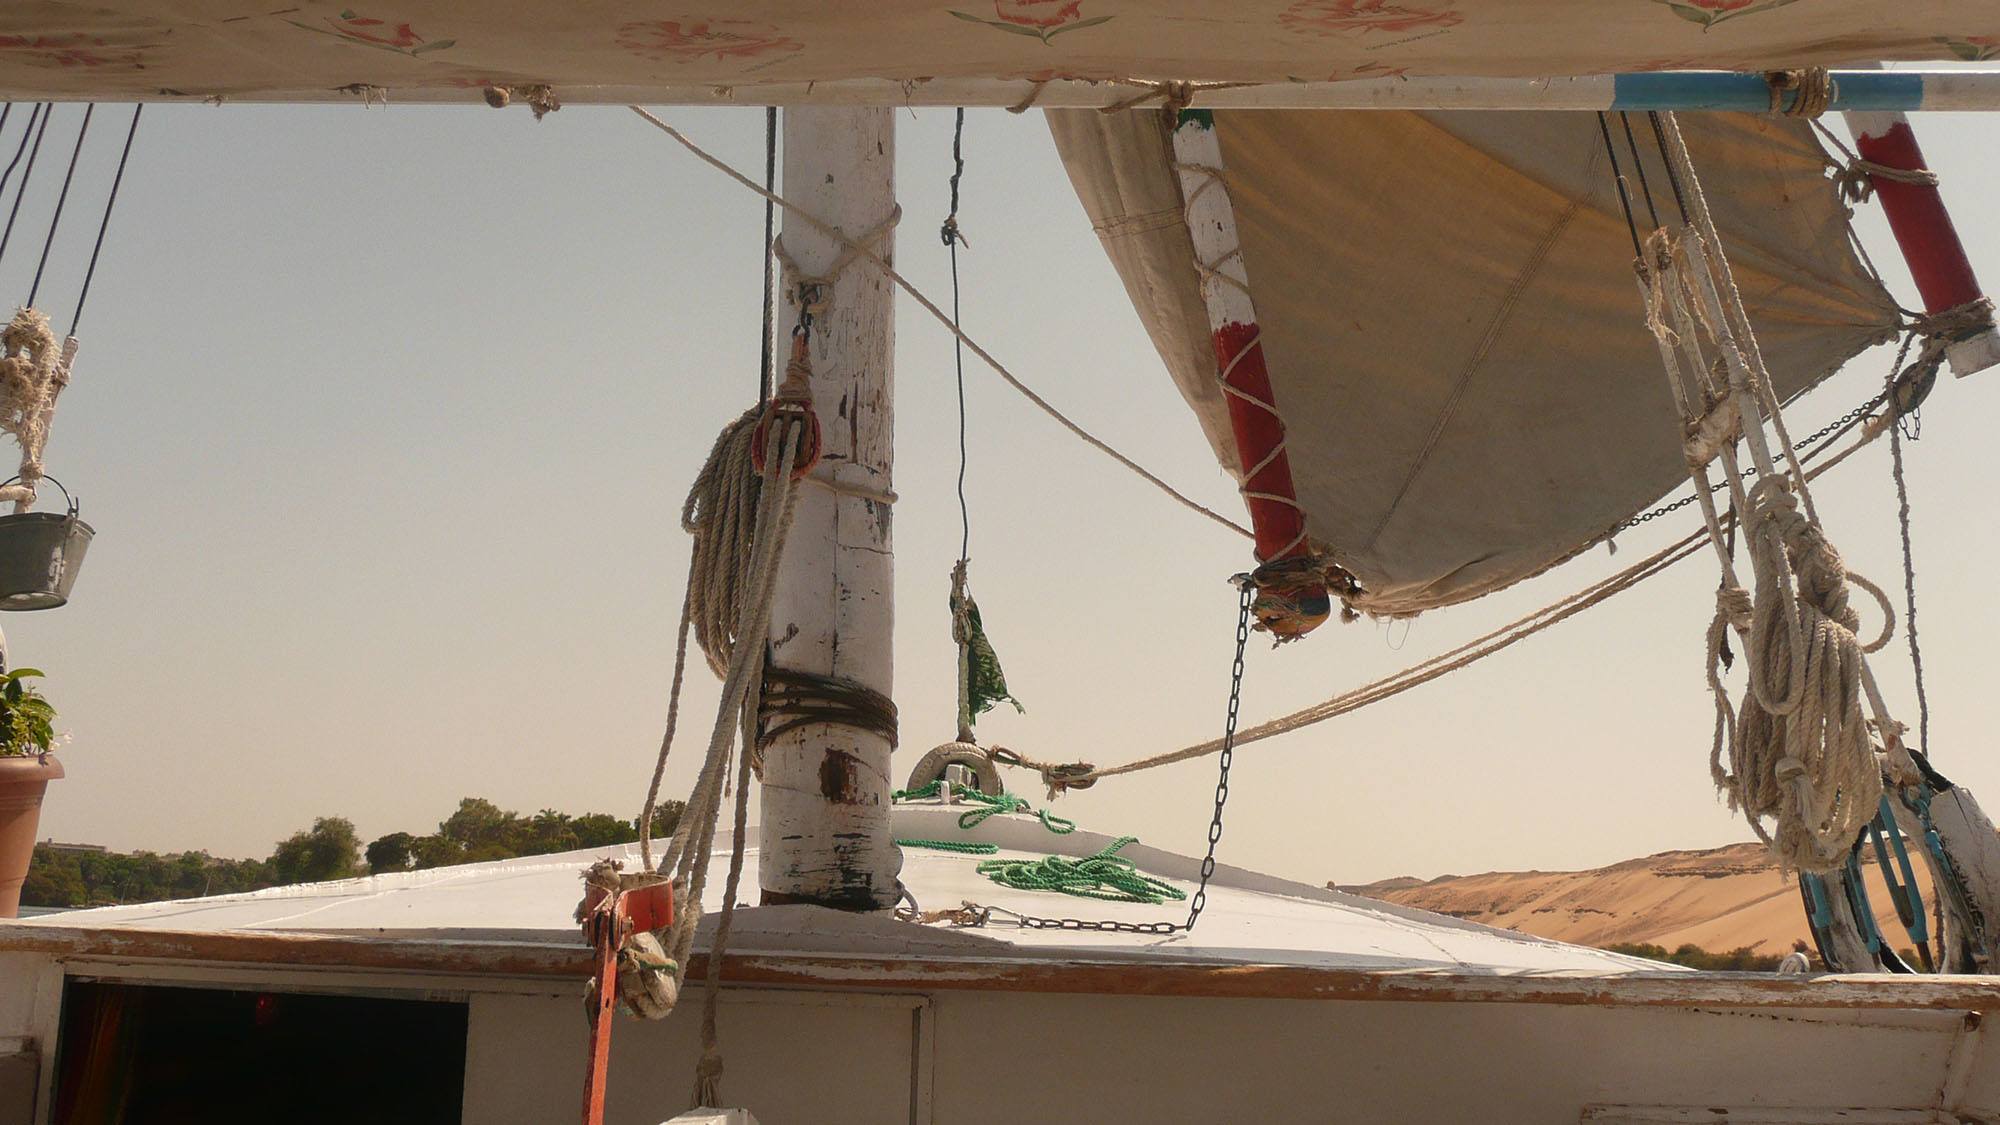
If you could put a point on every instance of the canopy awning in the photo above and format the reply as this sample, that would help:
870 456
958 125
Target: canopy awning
625 50
1454 334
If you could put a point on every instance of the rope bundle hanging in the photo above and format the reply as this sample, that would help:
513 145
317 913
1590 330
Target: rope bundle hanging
35 365
34 369
1802 750
738 511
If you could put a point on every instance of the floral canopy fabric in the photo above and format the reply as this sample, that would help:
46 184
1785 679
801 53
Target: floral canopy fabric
617 50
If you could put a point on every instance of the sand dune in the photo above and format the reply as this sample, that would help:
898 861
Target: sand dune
1720 899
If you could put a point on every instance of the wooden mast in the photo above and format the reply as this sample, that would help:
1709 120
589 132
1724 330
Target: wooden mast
826 837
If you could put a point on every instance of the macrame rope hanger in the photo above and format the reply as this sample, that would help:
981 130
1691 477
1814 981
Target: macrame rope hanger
34 366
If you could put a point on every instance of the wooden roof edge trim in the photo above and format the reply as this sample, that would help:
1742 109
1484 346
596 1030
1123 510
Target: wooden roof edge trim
903 973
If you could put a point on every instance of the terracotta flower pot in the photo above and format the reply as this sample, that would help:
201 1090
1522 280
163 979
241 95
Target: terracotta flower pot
22 783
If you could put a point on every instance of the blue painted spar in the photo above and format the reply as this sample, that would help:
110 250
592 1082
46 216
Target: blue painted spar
1854 90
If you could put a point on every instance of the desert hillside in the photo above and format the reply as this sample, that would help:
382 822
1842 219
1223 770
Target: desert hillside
1720 899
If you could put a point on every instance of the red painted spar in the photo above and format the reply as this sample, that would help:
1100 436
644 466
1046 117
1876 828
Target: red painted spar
1924 231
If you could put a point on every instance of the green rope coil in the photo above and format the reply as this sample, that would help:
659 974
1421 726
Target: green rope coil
962 847
1106 876
987 805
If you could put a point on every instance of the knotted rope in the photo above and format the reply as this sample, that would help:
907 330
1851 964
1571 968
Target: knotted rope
540 99
1801 751
1855 176
34 369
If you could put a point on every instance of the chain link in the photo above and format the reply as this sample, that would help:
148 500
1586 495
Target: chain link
1247 598
1838 424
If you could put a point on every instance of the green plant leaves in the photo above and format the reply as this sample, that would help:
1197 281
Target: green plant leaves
27 721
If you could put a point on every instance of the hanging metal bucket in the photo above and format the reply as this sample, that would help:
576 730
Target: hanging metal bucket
40 553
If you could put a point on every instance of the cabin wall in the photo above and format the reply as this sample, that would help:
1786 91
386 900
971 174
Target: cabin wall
1000 1058
1141 1059
799 1057
30 1008
802 1057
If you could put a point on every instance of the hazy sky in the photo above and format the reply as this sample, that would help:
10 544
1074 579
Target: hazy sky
384 418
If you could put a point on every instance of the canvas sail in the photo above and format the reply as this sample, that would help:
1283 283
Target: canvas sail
1450 319
633 50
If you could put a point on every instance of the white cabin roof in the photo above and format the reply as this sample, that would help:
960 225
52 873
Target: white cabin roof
1250 918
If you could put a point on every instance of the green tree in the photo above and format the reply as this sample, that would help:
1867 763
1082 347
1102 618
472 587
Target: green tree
54 879
327 850
389 853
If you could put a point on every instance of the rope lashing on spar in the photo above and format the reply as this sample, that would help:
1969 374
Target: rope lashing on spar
1960 322
1294 581
1800 752
1801 92
540 99
793 699
1855 175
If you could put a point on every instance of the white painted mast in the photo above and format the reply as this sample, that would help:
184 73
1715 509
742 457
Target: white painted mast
826 836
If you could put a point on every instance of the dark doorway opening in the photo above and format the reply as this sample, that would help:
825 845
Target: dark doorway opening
161 1055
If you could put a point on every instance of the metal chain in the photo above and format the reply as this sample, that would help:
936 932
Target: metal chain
1814 438
1248 596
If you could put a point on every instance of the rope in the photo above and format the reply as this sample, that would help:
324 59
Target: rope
961 619
767 367
1813 86
962 847
1909 565
1172 96
34 113
861 252
1800 751
110 202
986 804
793 699
1958 322
1210 272
656 988
1106 876
34 369
1856 175
1078 775
27 173
1035 88
55 220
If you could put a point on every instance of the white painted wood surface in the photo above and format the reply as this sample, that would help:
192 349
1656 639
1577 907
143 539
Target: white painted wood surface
1969 838
713 1117
826 835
